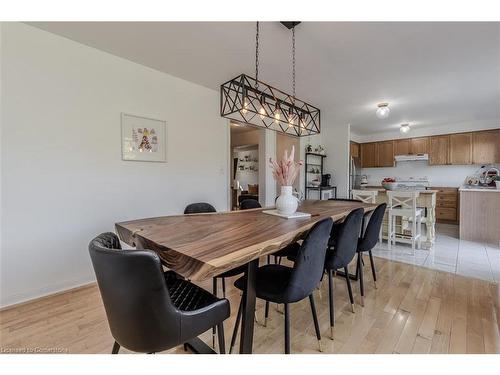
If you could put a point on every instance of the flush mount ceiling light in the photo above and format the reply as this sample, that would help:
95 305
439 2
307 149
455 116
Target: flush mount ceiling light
256 103
404 128
383 110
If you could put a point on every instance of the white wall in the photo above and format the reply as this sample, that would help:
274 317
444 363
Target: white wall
63 180
439 175
335 138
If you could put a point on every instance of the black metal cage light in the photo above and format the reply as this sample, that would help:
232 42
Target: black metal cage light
244 99
248 100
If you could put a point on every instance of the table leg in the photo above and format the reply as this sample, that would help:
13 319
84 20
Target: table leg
247 323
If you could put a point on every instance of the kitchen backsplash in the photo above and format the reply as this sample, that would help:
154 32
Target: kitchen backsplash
438 175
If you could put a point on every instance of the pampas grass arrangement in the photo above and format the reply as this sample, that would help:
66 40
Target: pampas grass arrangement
286 171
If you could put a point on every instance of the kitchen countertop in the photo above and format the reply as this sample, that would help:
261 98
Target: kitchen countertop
480 189
380 189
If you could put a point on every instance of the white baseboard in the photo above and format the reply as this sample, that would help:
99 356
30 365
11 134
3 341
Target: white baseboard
19 298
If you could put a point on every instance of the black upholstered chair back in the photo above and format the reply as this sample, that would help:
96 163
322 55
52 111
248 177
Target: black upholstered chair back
140 313
198 208
308 266
248 204
372 231
347 241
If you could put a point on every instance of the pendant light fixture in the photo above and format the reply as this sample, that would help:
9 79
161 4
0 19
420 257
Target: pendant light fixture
383 110
248 100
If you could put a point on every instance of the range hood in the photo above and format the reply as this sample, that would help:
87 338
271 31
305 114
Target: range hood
411 157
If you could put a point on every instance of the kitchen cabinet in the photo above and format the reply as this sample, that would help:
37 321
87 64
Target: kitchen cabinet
419 145
460 149
354 149
369 155
446 204
482 147
439 149
401 146
486 147
385 154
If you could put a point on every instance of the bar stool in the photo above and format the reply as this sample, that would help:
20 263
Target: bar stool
367 196
404 204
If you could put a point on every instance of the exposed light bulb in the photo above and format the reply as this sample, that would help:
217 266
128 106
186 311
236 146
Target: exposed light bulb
262 113
404 128
245 105
290 117
277 116
383 110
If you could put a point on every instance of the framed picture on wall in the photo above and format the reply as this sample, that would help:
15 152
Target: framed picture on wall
143 139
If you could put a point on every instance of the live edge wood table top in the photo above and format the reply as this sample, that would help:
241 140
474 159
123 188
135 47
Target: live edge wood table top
200 246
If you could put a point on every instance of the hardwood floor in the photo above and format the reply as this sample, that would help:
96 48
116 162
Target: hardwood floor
414 310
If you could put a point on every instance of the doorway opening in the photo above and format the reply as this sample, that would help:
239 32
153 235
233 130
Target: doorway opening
245 163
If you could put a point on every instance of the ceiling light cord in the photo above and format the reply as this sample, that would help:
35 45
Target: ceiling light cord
293 61
257 55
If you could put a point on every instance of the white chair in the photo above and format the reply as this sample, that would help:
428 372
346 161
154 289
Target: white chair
404 204
367 196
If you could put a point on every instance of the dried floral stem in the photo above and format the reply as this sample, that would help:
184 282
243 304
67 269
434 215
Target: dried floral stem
286 171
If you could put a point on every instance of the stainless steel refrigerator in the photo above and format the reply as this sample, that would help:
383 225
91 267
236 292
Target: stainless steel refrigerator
354 174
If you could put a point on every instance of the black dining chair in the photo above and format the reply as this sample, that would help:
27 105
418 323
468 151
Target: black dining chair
248 204
149 310
339 257
197 208
285 285
367 242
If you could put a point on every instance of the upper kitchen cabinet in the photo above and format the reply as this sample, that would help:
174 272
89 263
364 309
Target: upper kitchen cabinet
439 149
460 149
385 154
419 145
402 146
369 155
486 147
354 149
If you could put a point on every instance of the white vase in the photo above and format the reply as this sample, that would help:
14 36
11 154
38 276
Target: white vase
287 203
497 183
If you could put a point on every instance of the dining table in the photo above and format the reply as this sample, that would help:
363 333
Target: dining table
201 246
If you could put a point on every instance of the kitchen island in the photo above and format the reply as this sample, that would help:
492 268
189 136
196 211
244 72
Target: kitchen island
427 200
480 215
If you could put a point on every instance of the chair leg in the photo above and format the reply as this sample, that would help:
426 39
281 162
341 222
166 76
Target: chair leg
224 287
287 329
214 291
315 319
361 284
374 273
236 326
222 343
349 288
269 259
419 231
266 313
330 301
389 231
116 348
413 233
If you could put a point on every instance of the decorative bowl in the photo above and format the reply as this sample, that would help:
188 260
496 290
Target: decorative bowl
389 185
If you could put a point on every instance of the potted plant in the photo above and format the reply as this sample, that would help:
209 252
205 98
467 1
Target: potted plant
497 181
285 172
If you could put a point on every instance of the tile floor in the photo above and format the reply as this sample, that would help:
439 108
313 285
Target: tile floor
450 254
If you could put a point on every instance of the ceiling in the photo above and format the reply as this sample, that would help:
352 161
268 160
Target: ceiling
432 74
238 128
